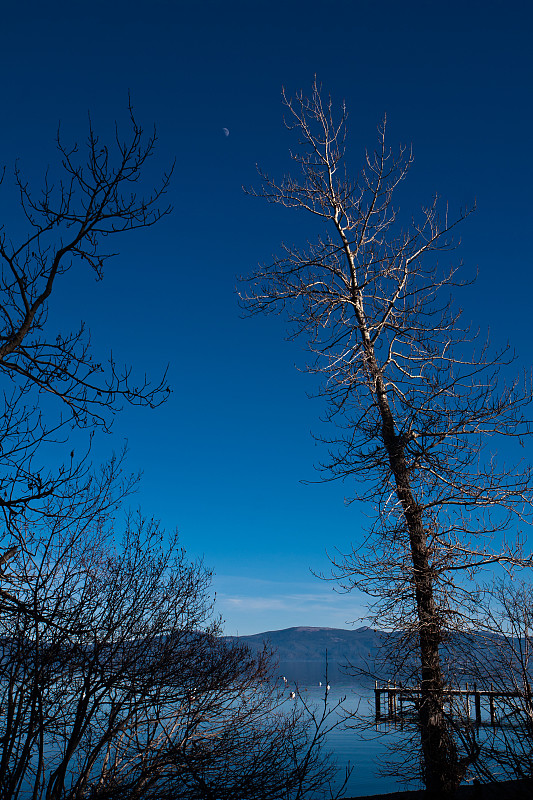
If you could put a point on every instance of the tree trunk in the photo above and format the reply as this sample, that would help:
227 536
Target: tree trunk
441 769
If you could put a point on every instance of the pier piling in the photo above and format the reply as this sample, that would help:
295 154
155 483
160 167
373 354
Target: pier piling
397 695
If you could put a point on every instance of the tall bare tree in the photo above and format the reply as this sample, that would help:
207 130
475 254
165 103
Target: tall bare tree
414 401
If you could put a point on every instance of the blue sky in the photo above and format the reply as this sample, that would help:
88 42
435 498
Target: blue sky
223 459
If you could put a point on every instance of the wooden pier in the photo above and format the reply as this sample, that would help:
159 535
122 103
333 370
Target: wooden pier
397 695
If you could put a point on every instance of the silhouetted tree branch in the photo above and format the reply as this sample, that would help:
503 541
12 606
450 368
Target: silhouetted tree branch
94 196
116 682
503 663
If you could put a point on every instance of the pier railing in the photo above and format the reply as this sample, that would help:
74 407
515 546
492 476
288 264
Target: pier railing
396 696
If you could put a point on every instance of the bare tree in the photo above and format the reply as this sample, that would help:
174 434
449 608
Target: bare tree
500 659
413 400
68 226
118 684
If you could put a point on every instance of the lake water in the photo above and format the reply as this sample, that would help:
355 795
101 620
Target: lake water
355 748
361 750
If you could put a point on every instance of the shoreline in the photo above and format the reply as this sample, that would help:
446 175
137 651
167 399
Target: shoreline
501 790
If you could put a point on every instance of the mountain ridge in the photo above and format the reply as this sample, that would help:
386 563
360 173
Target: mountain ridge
352 655
303 651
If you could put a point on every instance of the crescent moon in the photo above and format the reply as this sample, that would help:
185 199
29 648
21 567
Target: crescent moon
226 131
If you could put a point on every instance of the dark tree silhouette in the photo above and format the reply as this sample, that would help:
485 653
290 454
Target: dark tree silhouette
115 681
69 224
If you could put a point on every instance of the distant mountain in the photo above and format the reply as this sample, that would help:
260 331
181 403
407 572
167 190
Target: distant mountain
302 651
311 644
351 654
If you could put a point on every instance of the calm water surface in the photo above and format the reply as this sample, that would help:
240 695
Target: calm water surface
355 748
360 750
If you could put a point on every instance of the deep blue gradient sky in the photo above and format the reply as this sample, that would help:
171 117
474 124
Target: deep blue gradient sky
223 459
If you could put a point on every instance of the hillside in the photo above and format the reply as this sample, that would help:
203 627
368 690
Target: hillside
310 644
301 653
